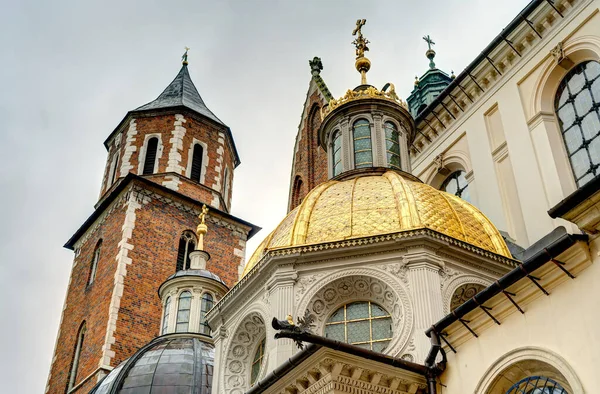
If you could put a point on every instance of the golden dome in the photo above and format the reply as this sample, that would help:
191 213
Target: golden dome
379 204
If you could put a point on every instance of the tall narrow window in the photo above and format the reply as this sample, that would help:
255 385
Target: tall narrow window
336 148
363 155
183 312
150 158
187 244
457 184
166 312
257 361
577 106
196 172
76 357
392 145
206 305
94 263
226 185
112 175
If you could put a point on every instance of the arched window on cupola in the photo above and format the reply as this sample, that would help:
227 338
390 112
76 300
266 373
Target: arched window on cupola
94 262
336 153
205 306
196 172
456 183
150 159
76 357
187 244
392 145
183 312
577 106
166 311
363 154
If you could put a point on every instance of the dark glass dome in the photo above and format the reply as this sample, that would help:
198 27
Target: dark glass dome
168 364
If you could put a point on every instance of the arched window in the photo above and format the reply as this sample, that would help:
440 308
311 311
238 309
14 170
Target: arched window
150 158
257 361
363 155
392 145
421 108
297 191
457 184
537 385
166 312
363 324
76 357
205 306
464 293
336 153
196 171
577 107
94 263
183 312
187 244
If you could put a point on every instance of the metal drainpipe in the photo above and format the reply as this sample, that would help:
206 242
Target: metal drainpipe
434 370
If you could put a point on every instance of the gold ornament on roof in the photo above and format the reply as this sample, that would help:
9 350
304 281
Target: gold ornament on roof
376 205
184 56
369 92
202 228
363 65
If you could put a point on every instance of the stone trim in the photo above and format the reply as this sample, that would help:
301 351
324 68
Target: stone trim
130 147
178 132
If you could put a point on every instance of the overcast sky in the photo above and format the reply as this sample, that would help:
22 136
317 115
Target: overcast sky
70 71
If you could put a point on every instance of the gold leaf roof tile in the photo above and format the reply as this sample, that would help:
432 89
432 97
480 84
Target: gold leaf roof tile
379 204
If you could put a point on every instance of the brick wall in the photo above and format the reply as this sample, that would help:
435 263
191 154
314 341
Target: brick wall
310 160
140 237
177 133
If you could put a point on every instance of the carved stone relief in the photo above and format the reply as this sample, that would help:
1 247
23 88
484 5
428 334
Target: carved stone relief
453 282
326 295
243 345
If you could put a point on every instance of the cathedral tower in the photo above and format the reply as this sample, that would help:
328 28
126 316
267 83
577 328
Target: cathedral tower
166 159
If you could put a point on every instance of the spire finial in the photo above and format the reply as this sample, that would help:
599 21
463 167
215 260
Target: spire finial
315 66
202 228
184 57
362 63
430 52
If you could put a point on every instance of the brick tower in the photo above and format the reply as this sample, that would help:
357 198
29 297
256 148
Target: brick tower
309 167
165 160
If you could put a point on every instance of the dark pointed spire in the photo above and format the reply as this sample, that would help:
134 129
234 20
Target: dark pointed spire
181 92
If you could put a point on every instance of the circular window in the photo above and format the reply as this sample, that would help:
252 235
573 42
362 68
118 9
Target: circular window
363 324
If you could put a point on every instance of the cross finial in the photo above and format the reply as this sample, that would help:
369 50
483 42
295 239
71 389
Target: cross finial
359 24
429 41
184 56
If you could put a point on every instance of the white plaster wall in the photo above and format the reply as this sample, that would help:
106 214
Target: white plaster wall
564 323
539 172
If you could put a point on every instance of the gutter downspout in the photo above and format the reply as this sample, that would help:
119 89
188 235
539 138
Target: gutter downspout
434 370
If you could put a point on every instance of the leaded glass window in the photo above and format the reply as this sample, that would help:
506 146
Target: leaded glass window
257 361
205 306
578 110
94 264
337 153
363 324
392 145
183 312
166 311
150 159
363 154
457 184
76 357
187 244
537 385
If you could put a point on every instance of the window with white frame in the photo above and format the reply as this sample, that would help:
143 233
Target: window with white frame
183 312
205 306
392 145
577 106
196 171
336 153
363 149
150 156
76 357
456 183
166 312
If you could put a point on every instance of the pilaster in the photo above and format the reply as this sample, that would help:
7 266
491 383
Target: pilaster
378 141
425 286
281 293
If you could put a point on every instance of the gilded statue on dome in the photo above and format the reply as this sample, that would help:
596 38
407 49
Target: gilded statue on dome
360 42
